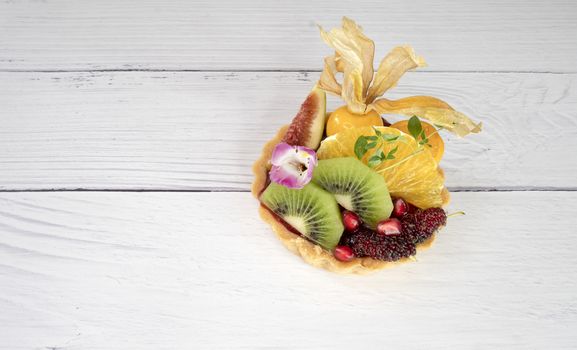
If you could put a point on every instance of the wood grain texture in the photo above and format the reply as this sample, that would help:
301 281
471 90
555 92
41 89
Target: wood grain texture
468 35
166 271
194 130
109 270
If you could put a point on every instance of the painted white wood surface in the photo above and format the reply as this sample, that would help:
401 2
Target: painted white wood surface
117 270
162 271
203 130
468 35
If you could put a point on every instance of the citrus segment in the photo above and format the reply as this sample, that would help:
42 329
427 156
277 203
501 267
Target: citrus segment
434 140
413 172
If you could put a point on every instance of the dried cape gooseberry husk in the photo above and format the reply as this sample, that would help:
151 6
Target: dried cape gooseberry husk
361 87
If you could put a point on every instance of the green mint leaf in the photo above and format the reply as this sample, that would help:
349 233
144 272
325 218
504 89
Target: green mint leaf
423 136
371 138
360 147
374 161
377 132
381 155
389 137
391 154
415 127
370 145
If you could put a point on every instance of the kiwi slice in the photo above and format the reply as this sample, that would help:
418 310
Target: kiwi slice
356 187
311 211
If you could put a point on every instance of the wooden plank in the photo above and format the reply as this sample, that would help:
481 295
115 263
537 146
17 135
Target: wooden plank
167 270
468 35
194 130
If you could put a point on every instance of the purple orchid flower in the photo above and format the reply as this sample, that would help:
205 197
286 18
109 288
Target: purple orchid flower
292 166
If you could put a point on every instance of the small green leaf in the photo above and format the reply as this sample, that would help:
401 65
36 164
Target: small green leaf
415 127
370 145
391 154
374 161
371 138
377 131
389 137
382 155
360 147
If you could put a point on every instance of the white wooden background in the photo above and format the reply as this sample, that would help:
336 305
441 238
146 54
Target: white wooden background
127 131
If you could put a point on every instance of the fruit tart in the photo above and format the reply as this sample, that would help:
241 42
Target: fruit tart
346 190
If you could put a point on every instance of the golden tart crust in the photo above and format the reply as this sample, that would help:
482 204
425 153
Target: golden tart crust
310 252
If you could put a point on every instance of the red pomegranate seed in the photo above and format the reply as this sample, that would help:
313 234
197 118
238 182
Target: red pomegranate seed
400 208
351 221
389 227
344 253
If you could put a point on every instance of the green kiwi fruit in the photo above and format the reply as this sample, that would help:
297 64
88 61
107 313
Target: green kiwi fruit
311 211
356 187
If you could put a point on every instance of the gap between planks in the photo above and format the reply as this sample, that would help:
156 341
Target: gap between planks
139 70
204 190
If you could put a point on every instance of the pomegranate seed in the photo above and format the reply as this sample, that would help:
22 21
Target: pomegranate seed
351 221
344 253
389 227
400 208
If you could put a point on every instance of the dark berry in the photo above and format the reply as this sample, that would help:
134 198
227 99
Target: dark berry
419 225
344 253
411 208
351 221
389 227
368 243
400 208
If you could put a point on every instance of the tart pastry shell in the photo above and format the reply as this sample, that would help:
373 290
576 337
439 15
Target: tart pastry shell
308 251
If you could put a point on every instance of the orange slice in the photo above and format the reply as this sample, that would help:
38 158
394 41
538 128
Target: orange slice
413 174
434 140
